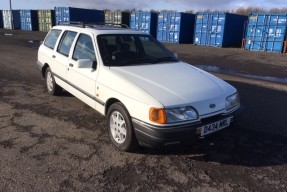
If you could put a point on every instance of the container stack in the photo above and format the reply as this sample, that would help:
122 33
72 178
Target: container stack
175 27
68 14
1 19
266 32
144 21
29 20
117 17
219 29
11 19
46 20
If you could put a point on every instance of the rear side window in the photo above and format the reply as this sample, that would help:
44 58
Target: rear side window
52 38
84 48
66 42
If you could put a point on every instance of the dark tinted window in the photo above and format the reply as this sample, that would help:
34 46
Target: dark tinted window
84 48
52 38
151 48
132 49
66 42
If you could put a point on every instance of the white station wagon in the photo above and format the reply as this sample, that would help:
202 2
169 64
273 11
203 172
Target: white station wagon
150 98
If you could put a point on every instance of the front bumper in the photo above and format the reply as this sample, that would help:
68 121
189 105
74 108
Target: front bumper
156 136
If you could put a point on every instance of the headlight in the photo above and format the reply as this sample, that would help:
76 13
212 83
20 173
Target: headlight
232 101
172 115
181 114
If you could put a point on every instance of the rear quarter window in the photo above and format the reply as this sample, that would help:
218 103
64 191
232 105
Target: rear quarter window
52 38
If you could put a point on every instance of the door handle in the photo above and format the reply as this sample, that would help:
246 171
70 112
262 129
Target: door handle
54 56
71 65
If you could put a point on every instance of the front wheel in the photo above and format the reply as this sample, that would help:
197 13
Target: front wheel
51 85
120 128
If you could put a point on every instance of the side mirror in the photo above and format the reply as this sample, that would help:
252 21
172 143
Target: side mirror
95 65
85 63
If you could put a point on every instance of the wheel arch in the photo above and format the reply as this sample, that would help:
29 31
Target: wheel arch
109 103
44 68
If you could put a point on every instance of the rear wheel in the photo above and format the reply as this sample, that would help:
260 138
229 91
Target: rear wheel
51 85
120 128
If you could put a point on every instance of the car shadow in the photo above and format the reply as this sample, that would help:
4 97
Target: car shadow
65 93
259 137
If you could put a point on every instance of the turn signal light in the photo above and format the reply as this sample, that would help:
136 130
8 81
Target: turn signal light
157 115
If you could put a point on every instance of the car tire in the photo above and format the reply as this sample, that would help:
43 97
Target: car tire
120 128
51 85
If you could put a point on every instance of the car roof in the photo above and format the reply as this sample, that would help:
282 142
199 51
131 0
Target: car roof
98 29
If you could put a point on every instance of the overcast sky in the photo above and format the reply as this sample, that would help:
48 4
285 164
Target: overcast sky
179 5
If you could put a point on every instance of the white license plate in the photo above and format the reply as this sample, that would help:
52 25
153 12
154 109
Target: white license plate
216 126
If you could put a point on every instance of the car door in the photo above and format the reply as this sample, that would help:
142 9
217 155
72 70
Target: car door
61 55
83 78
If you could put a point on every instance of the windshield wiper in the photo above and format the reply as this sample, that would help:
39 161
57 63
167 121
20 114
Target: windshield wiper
141 60
161 59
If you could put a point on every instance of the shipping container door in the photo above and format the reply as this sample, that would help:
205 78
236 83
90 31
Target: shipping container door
275 38
57 15
215 30
145 23
251 31
108 17
174 27
118 17
162 27
166 26
7 19
133 24
67 13
257 33
62 14
201 29
258 37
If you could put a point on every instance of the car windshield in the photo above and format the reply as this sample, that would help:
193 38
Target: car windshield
132 49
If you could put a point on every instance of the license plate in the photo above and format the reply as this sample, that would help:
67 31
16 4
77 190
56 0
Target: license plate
216 126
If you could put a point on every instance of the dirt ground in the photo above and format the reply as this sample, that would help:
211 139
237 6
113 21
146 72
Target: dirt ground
60 144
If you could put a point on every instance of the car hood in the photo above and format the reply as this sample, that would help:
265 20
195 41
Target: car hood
174 84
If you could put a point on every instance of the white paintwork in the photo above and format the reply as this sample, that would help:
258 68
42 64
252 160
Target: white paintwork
138 87
178 84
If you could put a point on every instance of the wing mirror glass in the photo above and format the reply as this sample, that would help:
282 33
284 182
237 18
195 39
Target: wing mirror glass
86 63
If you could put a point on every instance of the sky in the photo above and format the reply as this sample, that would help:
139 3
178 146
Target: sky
177 5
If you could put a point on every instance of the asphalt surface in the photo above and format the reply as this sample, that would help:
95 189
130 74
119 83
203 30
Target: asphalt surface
60 144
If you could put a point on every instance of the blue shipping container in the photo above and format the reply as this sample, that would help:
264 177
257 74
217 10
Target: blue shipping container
219 29
1 19
175 27
266 32
144 21
29 20
67 14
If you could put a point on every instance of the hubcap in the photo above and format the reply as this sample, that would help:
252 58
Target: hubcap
49 81
118 127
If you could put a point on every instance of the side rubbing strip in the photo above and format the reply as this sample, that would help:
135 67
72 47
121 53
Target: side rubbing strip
81 90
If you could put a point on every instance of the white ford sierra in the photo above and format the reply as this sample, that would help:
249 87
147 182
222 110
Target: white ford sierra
150 98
